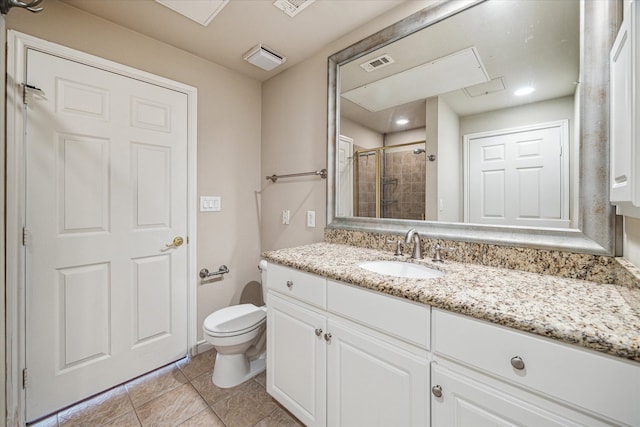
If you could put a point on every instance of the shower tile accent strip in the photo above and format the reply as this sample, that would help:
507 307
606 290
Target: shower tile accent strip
593 268
599 316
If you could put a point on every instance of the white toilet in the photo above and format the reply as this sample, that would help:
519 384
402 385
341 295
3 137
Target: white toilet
238 334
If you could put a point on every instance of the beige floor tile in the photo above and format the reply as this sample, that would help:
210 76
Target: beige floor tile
154 384
262 378
171 408
206 418
210 392
279 418
97 410
245 408
130 419
196 366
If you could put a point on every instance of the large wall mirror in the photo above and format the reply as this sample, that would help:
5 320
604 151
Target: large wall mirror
477 120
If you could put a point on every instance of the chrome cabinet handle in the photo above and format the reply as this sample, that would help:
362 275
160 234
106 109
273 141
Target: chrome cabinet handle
327 337
289 284
318 332
436 390
517 362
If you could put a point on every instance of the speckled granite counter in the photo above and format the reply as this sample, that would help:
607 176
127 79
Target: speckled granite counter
601 317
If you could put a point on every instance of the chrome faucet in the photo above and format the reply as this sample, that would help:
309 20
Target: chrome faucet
412 234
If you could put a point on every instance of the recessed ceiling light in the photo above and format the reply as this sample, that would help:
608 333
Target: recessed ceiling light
402 122
524 91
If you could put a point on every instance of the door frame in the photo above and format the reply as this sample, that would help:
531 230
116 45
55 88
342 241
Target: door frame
566 162
18 44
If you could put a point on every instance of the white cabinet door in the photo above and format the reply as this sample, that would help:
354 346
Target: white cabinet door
372 383
472 400
296 359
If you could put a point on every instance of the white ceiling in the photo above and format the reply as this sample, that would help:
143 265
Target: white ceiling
242 24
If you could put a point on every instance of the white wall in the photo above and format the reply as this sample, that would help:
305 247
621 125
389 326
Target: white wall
449 165
631 240
294 137
362 136
405 137
3 381
228 144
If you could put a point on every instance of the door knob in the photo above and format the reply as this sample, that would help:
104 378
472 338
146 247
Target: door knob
318 332
177 241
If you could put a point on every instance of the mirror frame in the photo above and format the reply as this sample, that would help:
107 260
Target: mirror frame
598 226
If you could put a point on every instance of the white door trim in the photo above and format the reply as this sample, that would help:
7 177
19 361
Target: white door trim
18 44
562 124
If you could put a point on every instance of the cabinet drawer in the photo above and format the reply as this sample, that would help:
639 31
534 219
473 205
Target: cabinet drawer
297 284
595 382
402 319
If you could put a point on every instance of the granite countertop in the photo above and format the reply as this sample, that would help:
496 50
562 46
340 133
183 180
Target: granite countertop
601 317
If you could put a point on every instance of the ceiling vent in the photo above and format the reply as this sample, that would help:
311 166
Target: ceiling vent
375 63
200 11
264 57
292 7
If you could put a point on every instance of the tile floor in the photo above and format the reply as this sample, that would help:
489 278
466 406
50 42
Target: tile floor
180 394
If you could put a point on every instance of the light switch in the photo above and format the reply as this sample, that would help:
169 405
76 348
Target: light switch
210 203
311 218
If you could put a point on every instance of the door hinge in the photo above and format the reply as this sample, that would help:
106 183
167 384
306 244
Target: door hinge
25 99
24 378
25 236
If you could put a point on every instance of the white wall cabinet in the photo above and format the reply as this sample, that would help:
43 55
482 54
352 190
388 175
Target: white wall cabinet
328 369
624 131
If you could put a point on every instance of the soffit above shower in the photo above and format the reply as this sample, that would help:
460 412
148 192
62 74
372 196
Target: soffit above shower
455 71
200 11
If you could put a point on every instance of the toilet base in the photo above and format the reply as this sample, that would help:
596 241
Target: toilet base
233 369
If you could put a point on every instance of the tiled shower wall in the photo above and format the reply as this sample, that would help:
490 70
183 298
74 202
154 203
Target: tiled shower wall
403 185
403 195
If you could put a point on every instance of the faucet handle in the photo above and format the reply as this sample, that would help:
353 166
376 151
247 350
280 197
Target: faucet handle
437 257
398 243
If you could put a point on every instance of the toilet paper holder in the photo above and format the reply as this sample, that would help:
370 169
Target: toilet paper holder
204 273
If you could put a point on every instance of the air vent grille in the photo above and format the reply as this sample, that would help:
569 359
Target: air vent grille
375 63
292 7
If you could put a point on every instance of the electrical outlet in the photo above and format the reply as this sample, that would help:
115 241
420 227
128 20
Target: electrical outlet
286 216
311 218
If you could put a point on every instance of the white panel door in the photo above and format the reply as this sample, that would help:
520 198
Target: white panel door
519 177
106 181
374 383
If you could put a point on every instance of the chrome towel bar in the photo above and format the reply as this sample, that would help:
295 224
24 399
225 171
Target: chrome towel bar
322 173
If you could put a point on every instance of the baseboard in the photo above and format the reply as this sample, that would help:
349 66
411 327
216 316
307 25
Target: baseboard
201 347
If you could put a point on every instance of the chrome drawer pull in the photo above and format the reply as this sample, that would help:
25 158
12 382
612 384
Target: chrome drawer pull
289 284
318 332
327 337
517 362
436 390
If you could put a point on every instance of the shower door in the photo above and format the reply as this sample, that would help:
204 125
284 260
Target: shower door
105 230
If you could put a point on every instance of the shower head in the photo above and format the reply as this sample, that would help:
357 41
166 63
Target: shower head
418 151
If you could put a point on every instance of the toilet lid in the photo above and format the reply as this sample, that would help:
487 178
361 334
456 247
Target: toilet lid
234 319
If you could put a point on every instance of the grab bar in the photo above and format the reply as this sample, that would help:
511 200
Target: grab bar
322 173
204 273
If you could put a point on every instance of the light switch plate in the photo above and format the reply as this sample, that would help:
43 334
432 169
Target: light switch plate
210 204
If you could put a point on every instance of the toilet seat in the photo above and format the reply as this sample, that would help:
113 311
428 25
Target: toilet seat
234 320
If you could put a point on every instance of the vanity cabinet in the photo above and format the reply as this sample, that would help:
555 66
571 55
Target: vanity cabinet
624 131
485 374
331 360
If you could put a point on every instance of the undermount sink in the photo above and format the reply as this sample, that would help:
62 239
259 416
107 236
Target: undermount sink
401 269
